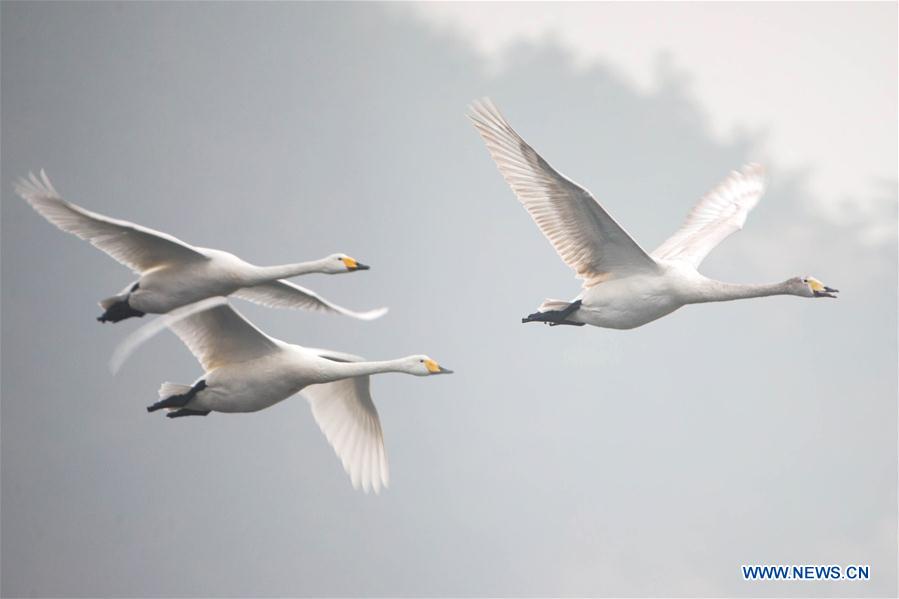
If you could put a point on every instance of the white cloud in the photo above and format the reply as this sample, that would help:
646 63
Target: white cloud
819 79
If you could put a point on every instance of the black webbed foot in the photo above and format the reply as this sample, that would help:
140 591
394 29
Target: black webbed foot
544 317
175 401
179 401
186 412
556 317
119 311
566 322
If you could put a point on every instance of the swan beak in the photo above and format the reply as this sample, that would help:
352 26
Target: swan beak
820 289
434 368
351 264
826 292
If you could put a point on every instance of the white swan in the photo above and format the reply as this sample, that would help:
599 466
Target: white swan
173 273
624 287
246 371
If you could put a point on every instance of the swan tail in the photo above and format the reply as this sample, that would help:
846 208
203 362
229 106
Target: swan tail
168 390
120 296
551 305
109 302
172 396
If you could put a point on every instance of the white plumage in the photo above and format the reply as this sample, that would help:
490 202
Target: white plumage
584 235
174 273
284 294
623 286
347 416
137 247
720 212
246 371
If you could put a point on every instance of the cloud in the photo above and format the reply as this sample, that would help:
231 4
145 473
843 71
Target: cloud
794 81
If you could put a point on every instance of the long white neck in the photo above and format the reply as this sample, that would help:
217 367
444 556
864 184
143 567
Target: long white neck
343 370
263 274
718 291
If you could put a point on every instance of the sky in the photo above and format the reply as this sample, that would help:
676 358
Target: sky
771 70
556 461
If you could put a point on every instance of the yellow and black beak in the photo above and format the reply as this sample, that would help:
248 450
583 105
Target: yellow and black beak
352 265
820 289
435 368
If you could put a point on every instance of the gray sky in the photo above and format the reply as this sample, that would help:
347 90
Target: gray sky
798 66
556 461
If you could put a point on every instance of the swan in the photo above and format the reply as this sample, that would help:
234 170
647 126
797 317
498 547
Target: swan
623 286
174 273
246 371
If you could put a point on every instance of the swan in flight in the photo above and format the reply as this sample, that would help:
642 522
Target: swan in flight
174 273
246 371
623 286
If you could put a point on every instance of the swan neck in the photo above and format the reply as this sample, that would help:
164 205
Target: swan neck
286 271
342 370
718 291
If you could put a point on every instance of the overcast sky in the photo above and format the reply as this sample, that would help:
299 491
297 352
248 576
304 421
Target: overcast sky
784 71
563 461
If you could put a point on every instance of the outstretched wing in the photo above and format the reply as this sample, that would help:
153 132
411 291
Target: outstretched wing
715 216
137 247
347 416
584 235
220 335
284 294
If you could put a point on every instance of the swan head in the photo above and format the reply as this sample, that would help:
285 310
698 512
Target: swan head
341 263
811 287
424 366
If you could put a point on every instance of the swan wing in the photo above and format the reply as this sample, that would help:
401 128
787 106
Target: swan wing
150 328
584 235
720 212
347 416
220 335
284 294
139 248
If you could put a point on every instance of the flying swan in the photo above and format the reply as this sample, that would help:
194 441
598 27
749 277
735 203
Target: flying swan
624 287
246 371
174 273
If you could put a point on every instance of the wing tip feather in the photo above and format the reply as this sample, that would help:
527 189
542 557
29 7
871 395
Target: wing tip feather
371 314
